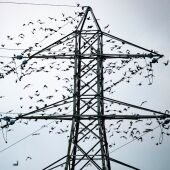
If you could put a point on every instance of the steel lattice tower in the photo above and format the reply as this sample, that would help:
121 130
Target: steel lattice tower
88 98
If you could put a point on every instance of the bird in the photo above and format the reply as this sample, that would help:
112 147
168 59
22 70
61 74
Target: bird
30 23
49 97
18 44
45 86
34 134
140 138
27 86
143 103
166 63
90 26
123 137
28 158
139 84
2 45
40 100
106 26
16 164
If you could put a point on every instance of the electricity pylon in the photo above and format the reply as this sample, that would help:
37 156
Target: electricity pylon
88 98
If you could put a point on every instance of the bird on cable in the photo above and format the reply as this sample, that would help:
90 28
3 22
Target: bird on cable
9 111
34 134
147 130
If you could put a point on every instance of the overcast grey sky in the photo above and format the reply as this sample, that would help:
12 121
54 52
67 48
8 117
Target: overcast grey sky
146 23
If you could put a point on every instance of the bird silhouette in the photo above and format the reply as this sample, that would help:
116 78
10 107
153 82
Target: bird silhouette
166 63
16 163
28 158
143 103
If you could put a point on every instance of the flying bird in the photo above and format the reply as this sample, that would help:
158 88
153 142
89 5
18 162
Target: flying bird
166 63
106 26
27 86
16 164
28 158
143 103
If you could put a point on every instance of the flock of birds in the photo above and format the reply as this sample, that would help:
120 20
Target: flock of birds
125 69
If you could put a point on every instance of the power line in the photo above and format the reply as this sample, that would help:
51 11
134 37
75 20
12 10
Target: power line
38 4
3 56
39 41
22 49
134 139
25 137
14 49
29 135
